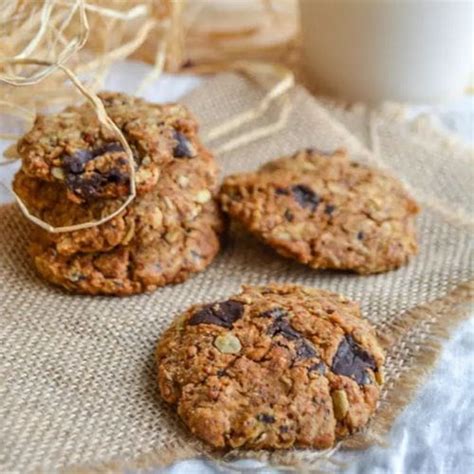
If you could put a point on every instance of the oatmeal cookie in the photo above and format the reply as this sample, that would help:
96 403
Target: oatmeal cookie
178 197
158 254
325 211
161 238
72 147
276 366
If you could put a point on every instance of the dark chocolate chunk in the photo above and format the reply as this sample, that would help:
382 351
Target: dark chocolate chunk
183 148
230 310
116 176
188 63
282 192
282 327
76 162
265 418
86 188
319 367
289 215
352 361
360 235
89 187
206 316
304 350
284 429
221 314
276 313
305 196
121 161
110 147
329 209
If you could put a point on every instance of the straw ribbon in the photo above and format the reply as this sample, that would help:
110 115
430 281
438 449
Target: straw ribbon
107 122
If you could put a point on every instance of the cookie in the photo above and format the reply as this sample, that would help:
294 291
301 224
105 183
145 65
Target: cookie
275 366
326 211
161 238
184 186
150 260
73 149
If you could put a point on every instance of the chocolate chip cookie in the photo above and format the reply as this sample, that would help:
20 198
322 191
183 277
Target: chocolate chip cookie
183 188
326 211
72 147
275 366
161 238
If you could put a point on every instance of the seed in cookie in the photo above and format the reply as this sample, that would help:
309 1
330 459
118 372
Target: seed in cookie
228 344
340 403
271 368
326 213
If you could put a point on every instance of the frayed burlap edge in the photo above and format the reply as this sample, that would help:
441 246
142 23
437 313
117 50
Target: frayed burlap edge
438 318
441 317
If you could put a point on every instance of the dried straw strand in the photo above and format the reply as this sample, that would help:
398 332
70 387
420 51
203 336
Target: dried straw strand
285 83
105 120
71 47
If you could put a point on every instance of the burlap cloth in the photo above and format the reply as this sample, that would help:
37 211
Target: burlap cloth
77 377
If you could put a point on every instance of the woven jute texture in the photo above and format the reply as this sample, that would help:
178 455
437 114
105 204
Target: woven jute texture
77 377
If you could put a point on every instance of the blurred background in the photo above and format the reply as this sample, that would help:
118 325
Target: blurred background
418 51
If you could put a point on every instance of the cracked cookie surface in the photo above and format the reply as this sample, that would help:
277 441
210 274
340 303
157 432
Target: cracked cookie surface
72 147
326 212
275 366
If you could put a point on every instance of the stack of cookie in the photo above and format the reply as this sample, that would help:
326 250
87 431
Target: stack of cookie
74 170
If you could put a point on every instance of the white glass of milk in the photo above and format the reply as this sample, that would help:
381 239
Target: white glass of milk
374 50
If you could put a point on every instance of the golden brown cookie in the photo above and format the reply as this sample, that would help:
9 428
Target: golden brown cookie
183 188
169 231
72 147
150 260
275 366
325 211
162 237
